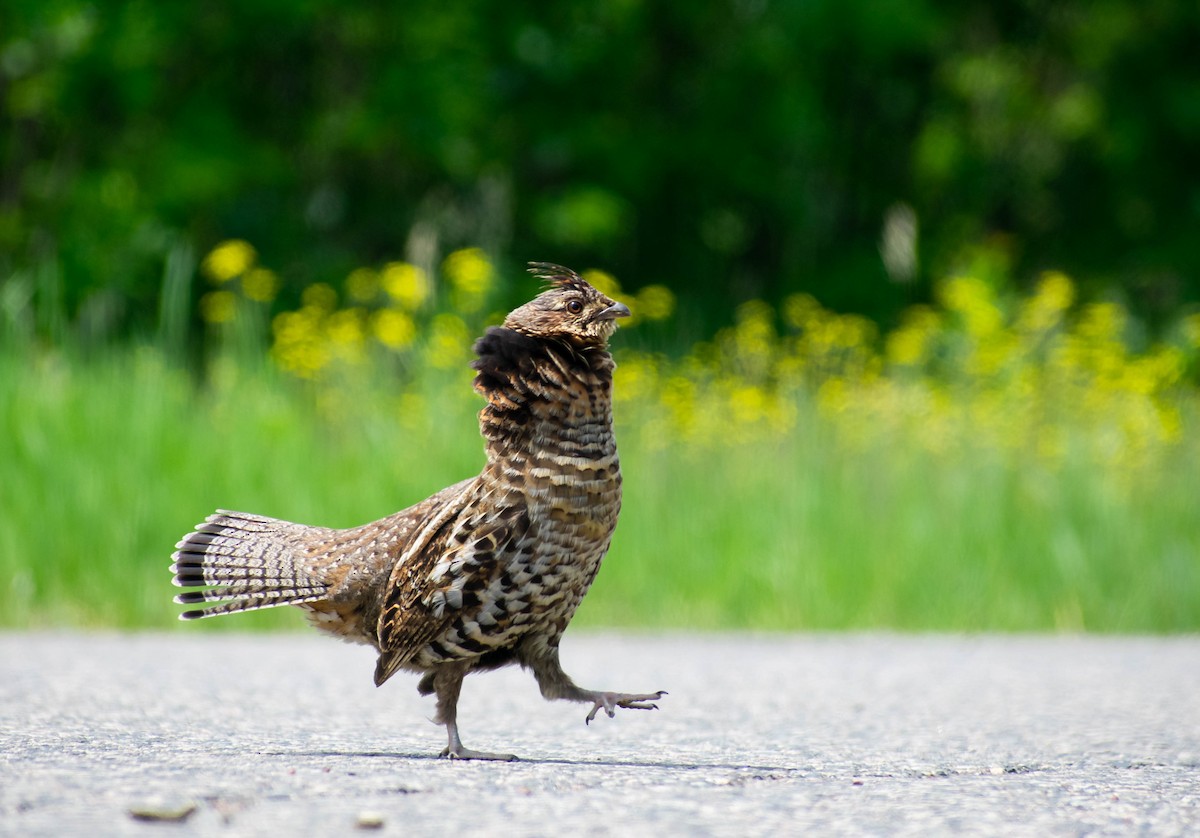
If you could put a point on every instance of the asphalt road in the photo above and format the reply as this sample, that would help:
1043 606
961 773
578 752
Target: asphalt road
886 735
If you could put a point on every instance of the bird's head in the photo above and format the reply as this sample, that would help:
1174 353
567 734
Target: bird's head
568 310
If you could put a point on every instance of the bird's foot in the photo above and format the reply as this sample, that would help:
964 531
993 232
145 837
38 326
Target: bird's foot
609 702
466 753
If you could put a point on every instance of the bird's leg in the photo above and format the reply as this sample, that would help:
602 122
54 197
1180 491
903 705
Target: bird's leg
554 683
447 683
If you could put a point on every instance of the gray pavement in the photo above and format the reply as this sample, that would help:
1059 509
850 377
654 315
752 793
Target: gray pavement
882 735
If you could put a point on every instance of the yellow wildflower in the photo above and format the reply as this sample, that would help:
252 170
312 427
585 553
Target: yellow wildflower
654 302
910 344
345 327
346 333
448 341
855 332
303 359
800 311
1170 422
972 298
218 306
1102 322
260 285
319 295
1056 290
679 395
747 404
833 396
1044 310
407 284
300 346
469 271
1169 363
228 260
1191 330
394 329
636 377
755 331
362 285
906 347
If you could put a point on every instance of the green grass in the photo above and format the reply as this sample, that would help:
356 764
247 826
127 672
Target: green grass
105 463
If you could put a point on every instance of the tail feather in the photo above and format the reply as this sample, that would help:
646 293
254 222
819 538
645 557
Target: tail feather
234 606
244 562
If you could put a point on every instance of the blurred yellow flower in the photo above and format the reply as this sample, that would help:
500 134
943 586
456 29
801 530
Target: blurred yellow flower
679 395
907 347
654 302
833 396
973 299
406 284
800 310
218 306
228 260
294 325
319 295
394 329
1171 423
1101 322
1044 310
346 333
1056 291
345 327
300 346
1169 364
855 332
449 340
747 404
636 377
911 342
1191 330
303 360
362 285
260 285
469 271
754 334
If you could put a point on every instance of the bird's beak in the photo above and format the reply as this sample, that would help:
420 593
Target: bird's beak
613 312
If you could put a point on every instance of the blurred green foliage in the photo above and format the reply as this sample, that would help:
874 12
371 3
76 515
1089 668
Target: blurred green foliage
731 150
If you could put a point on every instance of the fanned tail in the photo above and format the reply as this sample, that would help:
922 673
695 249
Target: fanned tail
244 562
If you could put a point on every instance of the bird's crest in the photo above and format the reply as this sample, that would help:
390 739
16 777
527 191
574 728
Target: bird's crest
556 276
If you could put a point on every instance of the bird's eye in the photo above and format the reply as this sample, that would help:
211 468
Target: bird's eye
574 306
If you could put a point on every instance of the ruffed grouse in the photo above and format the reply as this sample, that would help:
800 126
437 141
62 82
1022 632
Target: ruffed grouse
482 574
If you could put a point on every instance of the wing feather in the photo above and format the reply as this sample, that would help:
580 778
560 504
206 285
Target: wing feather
457 553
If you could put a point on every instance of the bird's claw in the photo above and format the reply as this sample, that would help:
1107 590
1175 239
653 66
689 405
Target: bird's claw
609 702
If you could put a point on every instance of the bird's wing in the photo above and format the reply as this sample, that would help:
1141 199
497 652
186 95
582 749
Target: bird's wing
452 561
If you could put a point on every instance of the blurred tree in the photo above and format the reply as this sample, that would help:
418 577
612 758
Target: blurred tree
728 150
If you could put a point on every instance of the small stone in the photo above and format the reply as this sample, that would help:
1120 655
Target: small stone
160 812
369 820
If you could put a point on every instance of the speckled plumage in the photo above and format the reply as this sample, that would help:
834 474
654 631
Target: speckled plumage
486 572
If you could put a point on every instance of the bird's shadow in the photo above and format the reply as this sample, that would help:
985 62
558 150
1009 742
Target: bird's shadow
597 763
